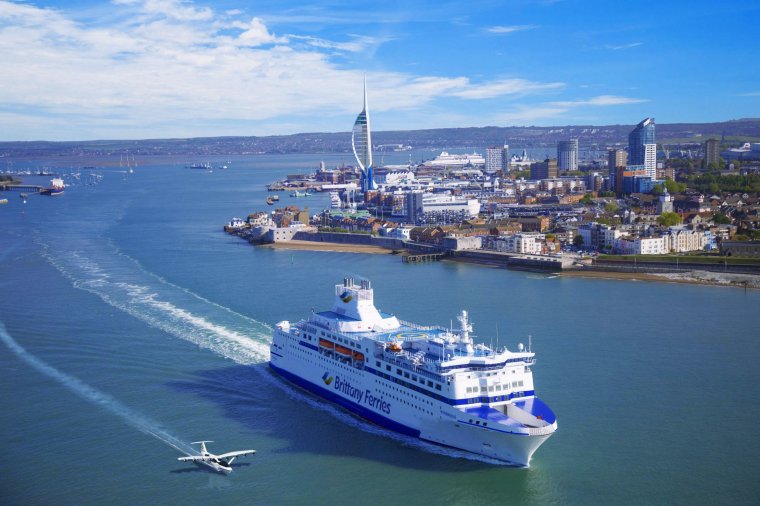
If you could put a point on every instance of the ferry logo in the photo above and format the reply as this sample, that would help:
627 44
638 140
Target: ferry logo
346 297
327 378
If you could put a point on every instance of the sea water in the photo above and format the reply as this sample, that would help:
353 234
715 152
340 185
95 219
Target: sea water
131 325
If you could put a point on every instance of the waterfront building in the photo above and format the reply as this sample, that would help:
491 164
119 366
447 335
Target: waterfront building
712 151
497 159
524 243
641 245
414 206
567 154
639 137
544 170
361 142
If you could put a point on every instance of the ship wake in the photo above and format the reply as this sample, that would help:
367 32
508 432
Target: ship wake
95 396
123 283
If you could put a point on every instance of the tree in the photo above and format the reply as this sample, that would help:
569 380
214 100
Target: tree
668 219
674 187
587 199
611 207
657 189
578 241
721 219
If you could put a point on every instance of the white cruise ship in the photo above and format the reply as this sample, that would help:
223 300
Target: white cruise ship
427 382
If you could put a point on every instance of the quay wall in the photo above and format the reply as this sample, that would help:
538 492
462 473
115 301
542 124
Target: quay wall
656 267
348 238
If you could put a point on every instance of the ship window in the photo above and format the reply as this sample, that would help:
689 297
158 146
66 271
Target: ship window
398 371
377 363
520 383
437 386
414 378
482 389
387 368
430 383
490 389
406 375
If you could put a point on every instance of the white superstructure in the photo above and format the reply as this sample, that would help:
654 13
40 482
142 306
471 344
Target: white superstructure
428 382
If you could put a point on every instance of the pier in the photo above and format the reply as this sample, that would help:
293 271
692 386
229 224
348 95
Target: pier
21 187
424 257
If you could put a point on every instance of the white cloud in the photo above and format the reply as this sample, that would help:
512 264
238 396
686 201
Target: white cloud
510 29
601 100
553 111
171 68
624 46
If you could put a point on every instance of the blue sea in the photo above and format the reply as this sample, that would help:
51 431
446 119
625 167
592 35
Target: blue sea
131 326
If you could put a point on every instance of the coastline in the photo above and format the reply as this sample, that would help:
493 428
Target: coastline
328 246
688 277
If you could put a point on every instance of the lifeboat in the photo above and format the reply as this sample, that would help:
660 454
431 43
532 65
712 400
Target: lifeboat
343 350
326 344
359 356
395 347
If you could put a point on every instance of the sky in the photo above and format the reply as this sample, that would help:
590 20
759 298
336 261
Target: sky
139 69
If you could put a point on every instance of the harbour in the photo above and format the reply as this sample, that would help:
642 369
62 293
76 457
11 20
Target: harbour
188 350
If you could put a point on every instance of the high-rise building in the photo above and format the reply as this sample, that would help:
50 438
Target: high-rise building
361 142
543 170
639 137
712 151
615 158
497 158
567 154
650 160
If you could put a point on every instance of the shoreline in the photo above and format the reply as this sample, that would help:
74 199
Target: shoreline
328 246
693 277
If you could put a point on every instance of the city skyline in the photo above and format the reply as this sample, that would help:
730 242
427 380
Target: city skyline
137 69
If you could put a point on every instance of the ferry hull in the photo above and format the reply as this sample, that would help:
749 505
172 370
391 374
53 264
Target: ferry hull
512 449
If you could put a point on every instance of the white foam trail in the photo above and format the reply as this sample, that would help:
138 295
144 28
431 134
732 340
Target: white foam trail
85 391
147 302
243 345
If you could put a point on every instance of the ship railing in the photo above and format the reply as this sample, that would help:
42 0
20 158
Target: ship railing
416 326
415 369
542 431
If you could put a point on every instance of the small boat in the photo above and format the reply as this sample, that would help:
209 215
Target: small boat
270 201
23 198
276 198
3 201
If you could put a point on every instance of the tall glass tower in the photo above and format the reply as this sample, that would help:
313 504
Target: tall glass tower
640 136
361 142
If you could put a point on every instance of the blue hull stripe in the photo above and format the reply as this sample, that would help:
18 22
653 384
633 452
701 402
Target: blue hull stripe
349 405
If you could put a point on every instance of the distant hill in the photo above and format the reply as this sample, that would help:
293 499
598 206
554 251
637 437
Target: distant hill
519 137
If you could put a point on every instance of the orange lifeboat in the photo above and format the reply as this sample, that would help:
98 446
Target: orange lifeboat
326 344
359 356
343 350
395 347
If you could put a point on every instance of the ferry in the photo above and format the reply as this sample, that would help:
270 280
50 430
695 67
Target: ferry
56 187
428 382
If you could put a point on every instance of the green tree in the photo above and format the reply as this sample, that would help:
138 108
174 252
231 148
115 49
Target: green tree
587 199
578 241
674 187
657 189
611 207
721 219
669 219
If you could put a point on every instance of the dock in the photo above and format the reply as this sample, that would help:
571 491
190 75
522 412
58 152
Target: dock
424 257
